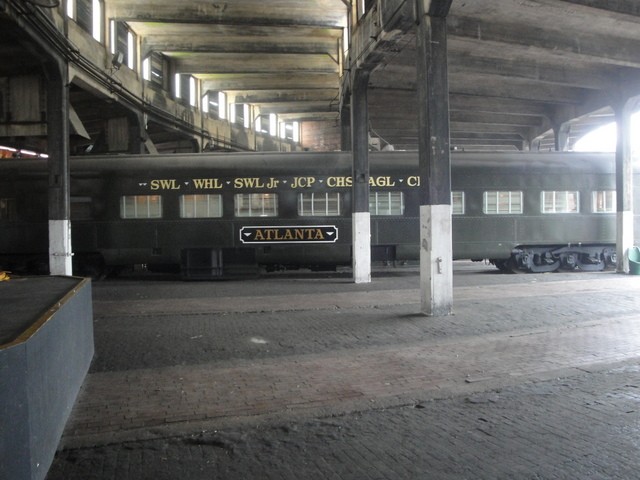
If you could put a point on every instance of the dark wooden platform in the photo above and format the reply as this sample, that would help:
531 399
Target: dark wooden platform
46 347
24 300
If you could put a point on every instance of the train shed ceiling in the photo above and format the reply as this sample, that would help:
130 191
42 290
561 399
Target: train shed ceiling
279 55
516 67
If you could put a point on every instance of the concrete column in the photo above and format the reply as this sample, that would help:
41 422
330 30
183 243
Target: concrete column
624 186
345 128
137 133
361 219
436 254
561 136
58 149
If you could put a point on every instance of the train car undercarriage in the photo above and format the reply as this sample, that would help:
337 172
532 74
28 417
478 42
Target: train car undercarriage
550 258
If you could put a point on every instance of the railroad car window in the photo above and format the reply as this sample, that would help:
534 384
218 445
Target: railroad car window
328 204
7 208
603 201
141 206
502 202
560 202
256 205
386 203
457 203
200 206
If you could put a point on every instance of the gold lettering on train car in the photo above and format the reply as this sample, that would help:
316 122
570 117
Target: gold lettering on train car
303 182
381 182
252 182
207 183
272 183
288 234
413 181
164 184
339 182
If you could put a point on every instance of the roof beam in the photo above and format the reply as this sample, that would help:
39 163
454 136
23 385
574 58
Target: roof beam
499 86
267 81
275 96
622 51
298 108
238 45
624 7
238 12
204 63
496 119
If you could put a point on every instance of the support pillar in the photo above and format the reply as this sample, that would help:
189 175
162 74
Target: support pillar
624 186
561 136
137 133
361 219
345 128
58 149
560 119
436 253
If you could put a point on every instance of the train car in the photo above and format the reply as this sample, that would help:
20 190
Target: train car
222 214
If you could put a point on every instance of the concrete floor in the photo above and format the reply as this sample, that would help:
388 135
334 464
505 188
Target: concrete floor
312 376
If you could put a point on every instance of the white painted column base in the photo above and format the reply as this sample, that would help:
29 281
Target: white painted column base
436 265
361 234
624 240
60 247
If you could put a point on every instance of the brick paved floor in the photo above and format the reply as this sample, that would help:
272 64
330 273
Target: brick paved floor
532 377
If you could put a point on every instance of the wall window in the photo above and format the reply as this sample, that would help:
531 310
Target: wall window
386 203
290 131
364 6
97 19
84 14
131 50
7 208
146 69
222 105
88 15
560 202
273 124
123 43
457 203
193 91
186 89
328 204
256 205
215 104
240 113
262 124
153 68
345 40
177 84
200 206
603 201
141 206
211 104
502 202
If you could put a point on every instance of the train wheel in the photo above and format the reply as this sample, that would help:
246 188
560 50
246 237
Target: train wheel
545 267
589 263
501 264
513 265
569 262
